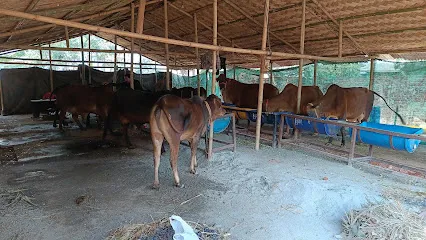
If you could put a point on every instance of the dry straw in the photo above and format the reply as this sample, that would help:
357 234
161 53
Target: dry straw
389 221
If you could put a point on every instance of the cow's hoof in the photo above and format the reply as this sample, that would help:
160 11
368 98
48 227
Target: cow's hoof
178 185
155 186
315 134
328 144
342 145
193 171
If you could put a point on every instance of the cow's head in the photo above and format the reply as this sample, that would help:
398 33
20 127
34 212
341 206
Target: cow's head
325 107
222 80
215 106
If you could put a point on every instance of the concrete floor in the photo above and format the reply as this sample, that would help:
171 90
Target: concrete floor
266 194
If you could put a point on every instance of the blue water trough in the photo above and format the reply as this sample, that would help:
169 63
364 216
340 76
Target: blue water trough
383 140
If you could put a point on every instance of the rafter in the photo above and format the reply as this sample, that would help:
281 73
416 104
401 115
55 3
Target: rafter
30 7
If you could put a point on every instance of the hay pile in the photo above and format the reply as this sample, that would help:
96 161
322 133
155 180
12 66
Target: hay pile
389 221
162 230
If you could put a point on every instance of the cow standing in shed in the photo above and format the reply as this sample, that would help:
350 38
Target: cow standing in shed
82 100
176 119
286 101
242 94
131 107
348 104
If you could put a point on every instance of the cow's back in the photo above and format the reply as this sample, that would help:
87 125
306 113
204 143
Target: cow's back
245 95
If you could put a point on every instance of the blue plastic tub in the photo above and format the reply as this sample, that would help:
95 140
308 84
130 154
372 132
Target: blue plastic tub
382 140
266 118
307 125
219 125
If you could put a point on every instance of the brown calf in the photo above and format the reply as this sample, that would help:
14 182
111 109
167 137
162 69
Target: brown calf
81 99
176 119
287 99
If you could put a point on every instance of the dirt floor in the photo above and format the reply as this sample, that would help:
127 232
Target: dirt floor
83 188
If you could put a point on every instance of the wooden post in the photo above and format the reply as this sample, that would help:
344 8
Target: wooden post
155 70
166 35
315 72
41 54
213 73
67 38
141 16
50 70
262 72
235 73
114 78
340 38
371 84
302 50
197 55
132 46
140 67
83 70
271 73
90 63
1 98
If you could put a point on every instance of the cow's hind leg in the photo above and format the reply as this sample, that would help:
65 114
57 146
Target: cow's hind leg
343 132
61 120
194 145
75 118
174 153
56 117
126 136
157 140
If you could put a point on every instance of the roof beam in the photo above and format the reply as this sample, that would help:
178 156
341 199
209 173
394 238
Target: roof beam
259 24
32 29
30 7
89 27
202 23
337 24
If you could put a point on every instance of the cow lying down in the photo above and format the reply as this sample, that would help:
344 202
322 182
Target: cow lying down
176 119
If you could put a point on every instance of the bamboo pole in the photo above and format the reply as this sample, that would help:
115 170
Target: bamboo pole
140 68
90 63
50 71
141 16
132 45
83 70
340 39
262 72
170 41
337 24
372 67
1 98
210 152
202 23
166 36
67 37
114 78
41 54
271 73
234 73
248 16
315 72
302 50
197 55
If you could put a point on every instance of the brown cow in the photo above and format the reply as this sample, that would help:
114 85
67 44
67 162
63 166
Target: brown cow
176 119
348 104
287 99
82 100
189 92
242 94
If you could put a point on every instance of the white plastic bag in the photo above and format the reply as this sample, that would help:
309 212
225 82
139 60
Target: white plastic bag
182 230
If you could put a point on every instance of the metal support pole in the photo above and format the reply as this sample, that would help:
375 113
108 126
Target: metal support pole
83 70
302 50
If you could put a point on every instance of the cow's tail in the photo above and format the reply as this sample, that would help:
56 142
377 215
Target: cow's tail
397 114
157 112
